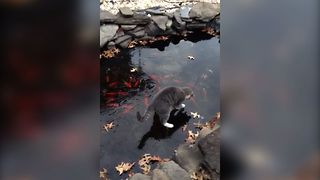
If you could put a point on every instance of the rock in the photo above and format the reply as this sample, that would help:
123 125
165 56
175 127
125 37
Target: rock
210 148
123 41
128 27
189 158
107 32
152 29
140 176
107 17
161 21
204 11
158 174
111 45
136 19
169 24
174 171
138 32
154 12
184 12
192 26
177 22
126 12
170 15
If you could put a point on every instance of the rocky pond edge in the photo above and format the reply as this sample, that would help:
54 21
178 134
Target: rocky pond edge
117 31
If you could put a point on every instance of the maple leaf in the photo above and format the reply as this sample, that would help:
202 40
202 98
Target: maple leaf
108 126
124 167
192 137
103 174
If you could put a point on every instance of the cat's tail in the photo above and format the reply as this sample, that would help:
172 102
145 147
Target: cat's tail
145 116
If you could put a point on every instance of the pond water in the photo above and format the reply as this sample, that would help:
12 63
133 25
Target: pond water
134 76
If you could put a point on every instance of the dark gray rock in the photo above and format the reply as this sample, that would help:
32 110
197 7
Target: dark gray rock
154 12
158 174
204 11
177 21
189 158
123 41
126 12
174 171
107 17
140 176
193 26
107 32
161 21
152 29
128 27
210 148
136 19
138 32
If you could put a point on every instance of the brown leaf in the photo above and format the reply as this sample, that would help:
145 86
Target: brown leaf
124 167
108 126
192 137
103 174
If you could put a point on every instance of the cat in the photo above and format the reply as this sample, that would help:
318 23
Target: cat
164 102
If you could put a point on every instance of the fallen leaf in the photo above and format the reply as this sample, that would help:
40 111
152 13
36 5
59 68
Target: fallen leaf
108 126
124 167
195 114
192 137
190 57
145 161
103 174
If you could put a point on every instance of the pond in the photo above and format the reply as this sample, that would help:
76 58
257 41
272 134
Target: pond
134 76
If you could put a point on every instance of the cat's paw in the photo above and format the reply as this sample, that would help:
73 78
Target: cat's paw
168 125
183 105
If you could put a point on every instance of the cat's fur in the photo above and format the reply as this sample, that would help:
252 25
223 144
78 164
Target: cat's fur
164 102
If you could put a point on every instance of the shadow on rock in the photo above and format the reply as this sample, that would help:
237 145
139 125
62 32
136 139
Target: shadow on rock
158 131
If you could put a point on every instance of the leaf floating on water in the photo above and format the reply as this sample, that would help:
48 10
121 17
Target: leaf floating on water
190 57
132 44
124 167
108 126
145 161
110 53
103 174
133 69
192 137
195 114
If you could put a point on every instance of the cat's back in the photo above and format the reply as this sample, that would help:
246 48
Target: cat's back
166 94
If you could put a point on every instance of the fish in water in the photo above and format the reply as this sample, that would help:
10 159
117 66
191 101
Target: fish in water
164 102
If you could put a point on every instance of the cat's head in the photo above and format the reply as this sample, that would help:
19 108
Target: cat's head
188 92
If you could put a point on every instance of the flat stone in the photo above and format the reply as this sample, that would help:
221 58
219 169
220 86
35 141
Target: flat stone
161 21
126 12
174 171
154 12
139 176
204 11
136 19
189 158
123 41
158 174
192 26
210 148
177 22
111 45
137 32
128 27
170 15
107 32
107 17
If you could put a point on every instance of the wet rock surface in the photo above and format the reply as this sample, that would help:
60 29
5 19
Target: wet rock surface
174 171
140 176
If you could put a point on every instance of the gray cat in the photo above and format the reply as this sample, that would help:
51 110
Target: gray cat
164 102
